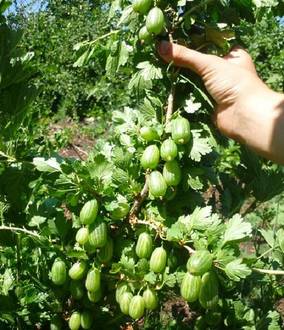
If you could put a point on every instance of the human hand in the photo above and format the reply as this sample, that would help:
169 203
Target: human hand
244 104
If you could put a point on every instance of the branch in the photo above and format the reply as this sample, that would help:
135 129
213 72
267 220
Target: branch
21 230
189 249
158 227
269 271
170 107
132 218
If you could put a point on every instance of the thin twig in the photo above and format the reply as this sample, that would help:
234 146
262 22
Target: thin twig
78 151
269 271
21 230
158 227
170 107
189 249
138 202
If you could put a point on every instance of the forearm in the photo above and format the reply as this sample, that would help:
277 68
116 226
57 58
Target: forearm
261 125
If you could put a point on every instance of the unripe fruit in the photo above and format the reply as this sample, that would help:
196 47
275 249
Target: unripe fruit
136 307
106 252
121 288
172 173
208 296
190 287
120 211
93 280
158 260
58 272
169 150
144 246
200 262
77 271
124 302
95 296
75 321
142 6
77 289
98 234
157 184
155 21
82 235
150 299
147 133
151 157
86 320
181 130
89 212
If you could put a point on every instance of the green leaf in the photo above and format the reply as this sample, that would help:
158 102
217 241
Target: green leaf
115 7
200 146
176 232
123 54
143 78
236 229
199 219
269 236
77 254
50 165
169 279
193 181
82 59
151 278
236 270
191 106
8 281
36 221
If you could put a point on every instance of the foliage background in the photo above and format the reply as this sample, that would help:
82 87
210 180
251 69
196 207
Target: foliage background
64 91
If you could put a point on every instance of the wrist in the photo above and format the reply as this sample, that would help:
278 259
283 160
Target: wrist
260 123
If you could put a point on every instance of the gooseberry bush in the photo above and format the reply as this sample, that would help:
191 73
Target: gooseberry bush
155 216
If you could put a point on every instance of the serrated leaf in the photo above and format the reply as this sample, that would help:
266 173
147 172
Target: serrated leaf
200 146
143 78
151 278
191 107
176 232
120 177
148 112
199 219
169 279
236 229
193 181
100 169
236 270
36 221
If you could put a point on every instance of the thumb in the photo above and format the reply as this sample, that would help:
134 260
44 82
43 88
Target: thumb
185 57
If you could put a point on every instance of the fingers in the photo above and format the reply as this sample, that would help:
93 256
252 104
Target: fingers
185 57
240 57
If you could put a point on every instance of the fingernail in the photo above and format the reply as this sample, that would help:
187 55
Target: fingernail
164 47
